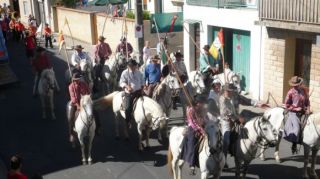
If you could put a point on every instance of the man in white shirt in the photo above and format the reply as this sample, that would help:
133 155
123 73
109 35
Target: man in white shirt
146 53
79 56
180 67
132 82
214 98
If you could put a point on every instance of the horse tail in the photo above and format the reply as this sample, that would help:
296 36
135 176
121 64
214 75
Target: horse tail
169 160
104 102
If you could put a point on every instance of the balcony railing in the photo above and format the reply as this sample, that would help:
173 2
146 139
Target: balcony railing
225 3
297 11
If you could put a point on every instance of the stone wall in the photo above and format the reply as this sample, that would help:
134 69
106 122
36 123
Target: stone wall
279 55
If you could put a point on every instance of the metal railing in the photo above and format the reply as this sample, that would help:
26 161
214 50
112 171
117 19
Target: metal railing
299 11
225 3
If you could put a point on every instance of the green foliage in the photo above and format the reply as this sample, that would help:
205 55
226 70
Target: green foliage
145 15
67 3
130 15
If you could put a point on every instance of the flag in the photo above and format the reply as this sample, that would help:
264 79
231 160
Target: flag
174 18
164 57
216 45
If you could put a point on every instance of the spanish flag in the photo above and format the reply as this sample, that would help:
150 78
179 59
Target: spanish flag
216 44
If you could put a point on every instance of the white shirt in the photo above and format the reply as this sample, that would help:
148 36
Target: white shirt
181 67
76 58
134 79
146 53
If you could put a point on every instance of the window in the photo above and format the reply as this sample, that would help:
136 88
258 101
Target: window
26 8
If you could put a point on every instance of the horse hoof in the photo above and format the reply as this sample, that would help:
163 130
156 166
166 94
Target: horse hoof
278 160
84 162
262 158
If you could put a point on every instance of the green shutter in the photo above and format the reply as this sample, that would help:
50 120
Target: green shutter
241 56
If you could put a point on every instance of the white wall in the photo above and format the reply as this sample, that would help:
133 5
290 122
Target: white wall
242 19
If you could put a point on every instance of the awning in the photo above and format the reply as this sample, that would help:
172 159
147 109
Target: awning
191 21
107 2
164 22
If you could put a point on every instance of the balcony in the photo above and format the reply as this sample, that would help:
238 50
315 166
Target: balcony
290 14
225 3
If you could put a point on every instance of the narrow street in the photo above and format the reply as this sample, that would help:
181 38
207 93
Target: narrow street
45 148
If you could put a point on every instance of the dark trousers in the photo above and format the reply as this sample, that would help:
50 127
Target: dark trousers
190 148
4 35
129 98
48 40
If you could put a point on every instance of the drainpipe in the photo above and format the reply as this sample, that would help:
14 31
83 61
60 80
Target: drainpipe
260 62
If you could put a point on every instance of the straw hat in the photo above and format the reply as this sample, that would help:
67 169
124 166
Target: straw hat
295 81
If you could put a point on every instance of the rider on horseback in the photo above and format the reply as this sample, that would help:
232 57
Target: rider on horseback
124 47
298 106
197 116
78 56
152 74
39 63
132 82
214 97
208 66
102 52
230 119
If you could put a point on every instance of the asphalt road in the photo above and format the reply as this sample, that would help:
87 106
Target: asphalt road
45 148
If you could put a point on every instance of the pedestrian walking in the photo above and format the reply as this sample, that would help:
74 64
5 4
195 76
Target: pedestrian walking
15 168
30 45
48 35
146 53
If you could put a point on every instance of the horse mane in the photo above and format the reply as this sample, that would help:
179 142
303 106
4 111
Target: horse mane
156 108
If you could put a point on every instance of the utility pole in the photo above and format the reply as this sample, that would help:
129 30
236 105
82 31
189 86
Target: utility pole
139 21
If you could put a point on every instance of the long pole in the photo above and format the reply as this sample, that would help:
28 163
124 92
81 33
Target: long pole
139 21
105 20
175 70
70 32
223 63
65 51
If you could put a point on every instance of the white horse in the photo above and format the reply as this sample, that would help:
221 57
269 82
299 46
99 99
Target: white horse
231 77
311 136
85 126
257 132
46 86
194 86
87 70
147 113
276 118
211 157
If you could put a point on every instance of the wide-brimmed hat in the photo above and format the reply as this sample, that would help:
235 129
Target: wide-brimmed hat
200 99
216 81
76 76
206 47
101 38
295 81
132 63
78 47
230 87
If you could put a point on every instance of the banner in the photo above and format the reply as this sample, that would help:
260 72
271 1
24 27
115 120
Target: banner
167 22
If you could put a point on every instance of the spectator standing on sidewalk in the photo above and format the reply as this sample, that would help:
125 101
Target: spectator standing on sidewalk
47 35
15 168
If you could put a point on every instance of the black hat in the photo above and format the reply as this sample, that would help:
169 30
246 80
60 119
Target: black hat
132 63
76 76
200 99
230 87
78 47
178 54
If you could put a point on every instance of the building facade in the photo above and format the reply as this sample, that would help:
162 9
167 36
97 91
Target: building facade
291 47
243 39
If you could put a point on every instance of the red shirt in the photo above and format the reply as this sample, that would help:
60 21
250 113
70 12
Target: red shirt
76 89
42 62
30 43
15 175
19 26
33 30
47 31
12 24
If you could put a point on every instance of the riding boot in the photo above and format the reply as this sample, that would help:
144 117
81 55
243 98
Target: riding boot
71 121
174 103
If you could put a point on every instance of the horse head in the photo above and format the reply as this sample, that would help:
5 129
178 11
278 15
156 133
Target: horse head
159 122
266 131
236 79
214 137
84 66
173 84
87 106
197 82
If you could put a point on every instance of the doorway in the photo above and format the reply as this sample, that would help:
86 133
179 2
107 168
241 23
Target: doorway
303 60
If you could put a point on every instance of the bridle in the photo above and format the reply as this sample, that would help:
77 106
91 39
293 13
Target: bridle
154 123
171 85
196 81
260 142
90 120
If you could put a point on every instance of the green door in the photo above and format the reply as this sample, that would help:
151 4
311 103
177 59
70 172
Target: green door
241 56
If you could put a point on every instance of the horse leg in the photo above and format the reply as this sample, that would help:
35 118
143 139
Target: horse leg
81 140
276 153
306 161
43 104
238 165
179 171
313 162
140 137
175 168
92 131
245 169
204 175
148 131
262 157
53 115
56 84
